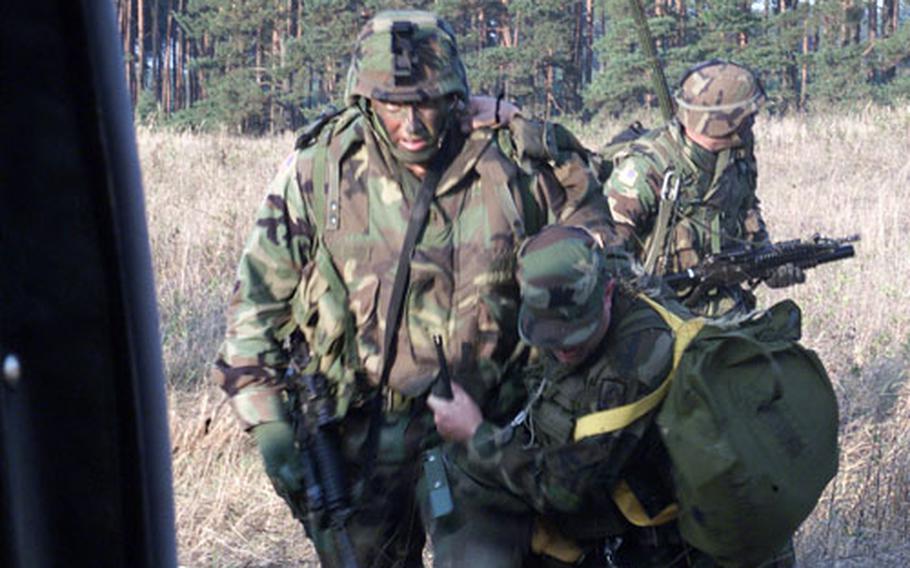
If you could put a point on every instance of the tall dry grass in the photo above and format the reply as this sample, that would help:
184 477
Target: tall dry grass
833 174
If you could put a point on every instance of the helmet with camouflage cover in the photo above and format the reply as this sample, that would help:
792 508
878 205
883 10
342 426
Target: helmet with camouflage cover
563 273
716 97
406 56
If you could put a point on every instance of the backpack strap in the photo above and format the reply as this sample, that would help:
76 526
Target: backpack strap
323 210
684 331
723 160
610 420
419 212
634 512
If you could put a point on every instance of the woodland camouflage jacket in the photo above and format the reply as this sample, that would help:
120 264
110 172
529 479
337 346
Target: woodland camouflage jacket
541 463
716 207
346 195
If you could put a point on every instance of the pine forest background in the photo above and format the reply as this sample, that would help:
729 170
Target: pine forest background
267 66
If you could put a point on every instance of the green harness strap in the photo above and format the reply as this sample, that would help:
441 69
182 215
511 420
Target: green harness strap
322 258
668 211
723 160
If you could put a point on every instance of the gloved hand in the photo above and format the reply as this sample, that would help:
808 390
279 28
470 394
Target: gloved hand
786 275
283 463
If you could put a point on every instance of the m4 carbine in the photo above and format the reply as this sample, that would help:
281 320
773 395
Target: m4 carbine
757 263
326 496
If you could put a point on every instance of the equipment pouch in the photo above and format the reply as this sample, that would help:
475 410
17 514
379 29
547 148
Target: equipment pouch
438 492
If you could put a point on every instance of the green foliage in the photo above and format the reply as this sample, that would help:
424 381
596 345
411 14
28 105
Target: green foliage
146 107
269 65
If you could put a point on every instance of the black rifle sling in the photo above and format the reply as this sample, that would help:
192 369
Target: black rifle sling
419 212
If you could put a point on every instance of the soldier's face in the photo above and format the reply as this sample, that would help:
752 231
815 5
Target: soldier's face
414 128
739 137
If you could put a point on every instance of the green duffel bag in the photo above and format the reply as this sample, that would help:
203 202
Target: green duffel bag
750 423
749 419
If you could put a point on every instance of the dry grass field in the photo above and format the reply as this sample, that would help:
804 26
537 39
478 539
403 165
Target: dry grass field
835 174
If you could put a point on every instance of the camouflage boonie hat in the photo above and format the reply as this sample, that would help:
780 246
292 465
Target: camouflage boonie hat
715 97
406 56
561 271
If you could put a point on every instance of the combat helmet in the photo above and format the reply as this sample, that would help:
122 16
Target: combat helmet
716 97
406 56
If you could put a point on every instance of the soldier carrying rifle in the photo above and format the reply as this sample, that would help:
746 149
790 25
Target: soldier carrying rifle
687 189
389 225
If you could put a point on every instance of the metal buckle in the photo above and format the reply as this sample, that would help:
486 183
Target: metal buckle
396 402
668 192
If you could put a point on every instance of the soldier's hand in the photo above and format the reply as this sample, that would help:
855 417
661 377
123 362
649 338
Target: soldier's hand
484 111
786 275
282 461
456 419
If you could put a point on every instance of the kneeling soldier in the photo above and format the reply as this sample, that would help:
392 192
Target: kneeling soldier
602 346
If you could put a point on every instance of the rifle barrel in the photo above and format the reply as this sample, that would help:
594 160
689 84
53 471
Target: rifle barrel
841 252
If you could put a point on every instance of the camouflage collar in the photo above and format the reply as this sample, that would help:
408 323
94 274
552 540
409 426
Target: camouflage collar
474 147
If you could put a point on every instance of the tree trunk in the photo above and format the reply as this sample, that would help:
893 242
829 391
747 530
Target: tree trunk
846 30
804 68
257 71
167 97
128 56
660 9
180 101
275 111
140 41
873 20
156 53
681 23
482 31
589 41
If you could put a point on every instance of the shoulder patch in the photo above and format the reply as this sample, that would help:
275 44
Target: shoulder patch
627 174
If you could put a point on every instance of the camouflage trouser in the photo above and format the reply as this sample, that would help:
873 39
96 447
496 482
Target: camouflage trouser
385 527
488 528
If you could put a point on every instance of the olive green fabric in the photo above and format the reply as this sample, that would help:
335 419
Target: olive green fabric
279 454
750 424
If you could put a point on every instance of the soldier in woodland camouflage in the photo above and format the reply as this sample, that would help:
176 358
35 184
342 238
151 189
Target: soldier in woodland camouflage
702 165
602 347
321 259
602 498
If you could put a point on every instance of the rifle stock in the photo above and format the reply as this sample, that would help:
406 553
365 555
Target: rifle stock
326 496
443 385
